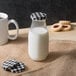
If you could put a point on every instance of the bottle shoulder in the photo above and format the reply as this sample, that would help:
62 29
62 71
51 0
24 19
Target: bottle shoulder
39 30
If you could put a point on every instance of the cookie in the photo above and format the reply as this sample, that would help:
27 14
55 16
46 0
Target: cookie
66 27
64 22
56 27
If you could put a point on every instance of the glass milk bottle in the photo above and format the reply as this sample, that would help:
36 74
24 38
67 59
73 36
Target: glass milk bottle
38 38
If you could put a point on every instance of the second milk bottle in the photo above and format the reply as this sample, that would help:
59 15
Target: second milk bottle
38 38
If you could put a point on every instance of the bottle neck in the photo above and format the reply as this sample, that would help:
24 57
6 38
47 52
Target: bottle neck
38 23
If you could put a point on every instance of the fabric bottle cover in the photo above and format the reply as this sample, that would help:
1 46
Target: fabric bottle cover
13 66
38 16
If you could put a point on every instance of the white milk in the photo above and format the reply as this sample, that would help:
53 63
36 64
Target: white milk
38 43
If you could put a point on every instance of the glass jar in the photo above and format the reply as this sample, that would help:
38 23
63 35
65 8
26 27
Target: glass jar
38 39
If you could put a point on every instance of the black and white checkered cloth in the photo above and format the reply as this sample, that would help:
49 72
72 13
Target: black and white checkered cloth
13 66
38 16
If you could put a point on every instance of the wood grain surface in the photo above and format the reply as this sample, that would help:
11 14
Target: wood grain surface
59 62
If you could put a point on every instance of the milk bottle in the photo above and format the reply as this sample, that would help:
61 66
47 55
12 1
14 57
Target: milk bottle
38 37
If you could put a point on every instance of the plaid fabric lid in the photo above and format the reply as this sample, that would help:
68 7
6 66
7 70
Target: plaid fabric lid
13 66
38 16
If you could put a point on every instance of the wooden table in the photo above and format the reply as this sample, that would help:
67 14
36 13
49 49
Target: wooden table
16 49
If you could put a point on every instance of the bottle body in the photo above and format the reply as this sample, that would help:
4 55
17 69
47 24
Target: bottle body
38 39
